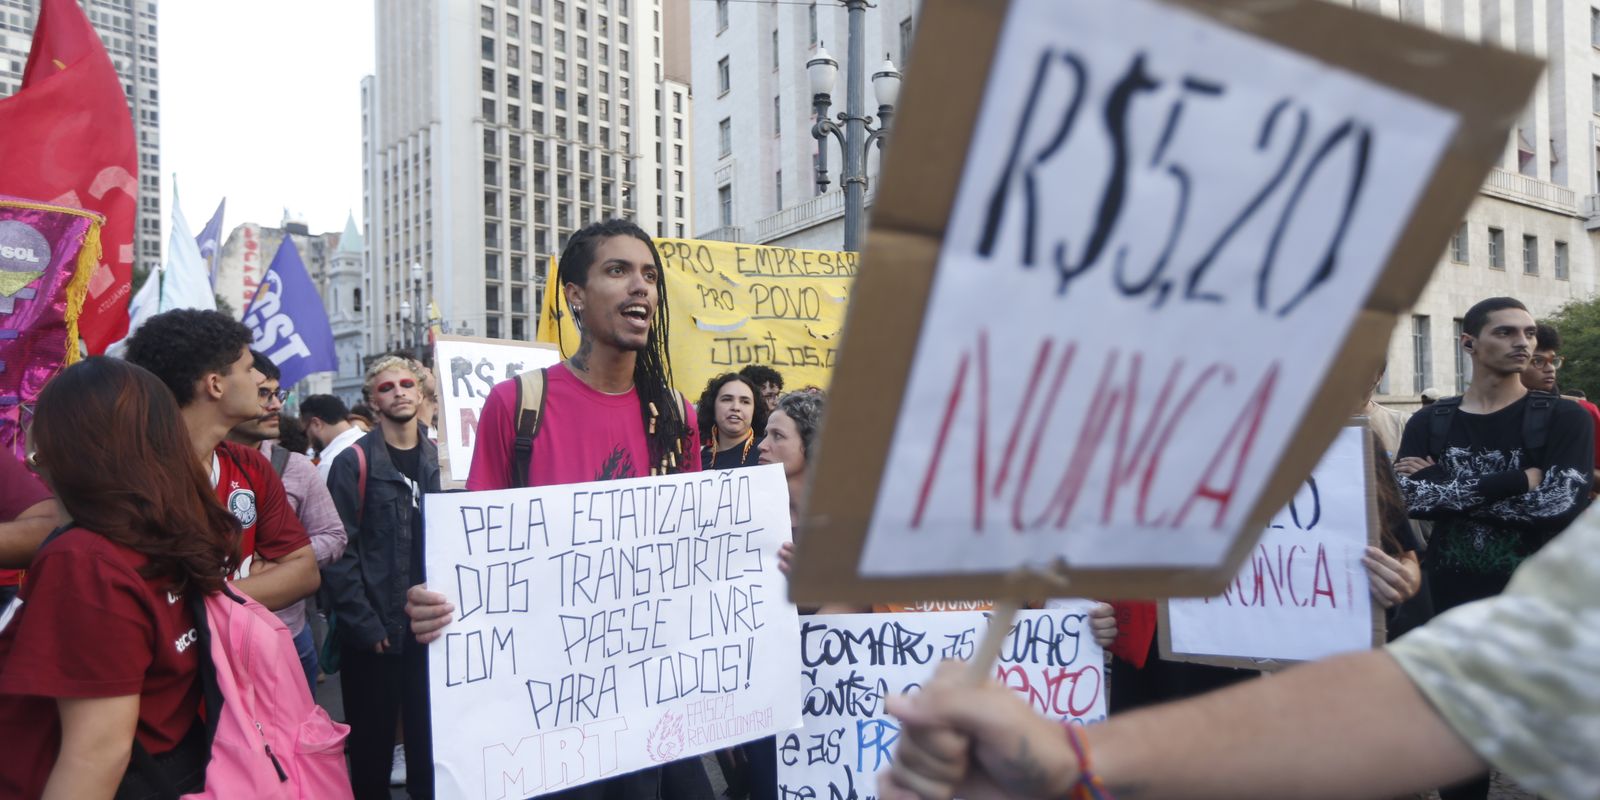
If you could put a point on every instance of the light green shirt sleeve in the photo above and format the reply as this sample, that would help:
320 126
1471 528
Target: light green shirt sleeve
1518 675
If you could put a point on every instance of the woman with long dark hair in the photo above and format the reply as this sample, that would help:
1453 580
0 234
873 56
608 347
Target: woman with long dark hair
733 418
99 650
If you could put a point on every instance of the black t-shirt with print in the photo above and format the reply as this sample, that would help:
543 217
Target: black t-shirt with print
1486 521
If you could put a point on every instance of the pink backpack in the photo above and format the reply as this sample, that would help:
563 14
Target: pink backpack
268 738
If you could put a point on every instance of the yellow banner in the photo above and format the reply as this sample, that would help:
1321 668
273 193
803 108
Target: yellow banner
733 305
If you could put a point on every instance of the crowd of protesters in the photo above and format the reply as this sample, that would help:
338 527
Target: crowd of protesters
174 470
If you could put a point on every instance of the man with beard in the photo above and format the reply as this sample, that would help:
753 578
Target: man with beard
377 486
607 412
307 495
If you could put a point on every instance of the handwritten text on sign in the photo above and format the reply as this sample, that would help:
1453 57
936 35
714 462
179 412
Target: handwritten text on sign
738 304
607 627
852 662
1303 594
467 370
1163 227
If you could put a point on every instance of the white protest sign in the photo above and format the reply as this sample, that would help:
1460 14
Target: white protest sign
466 369
1303 594
1163 230
603 628
852 662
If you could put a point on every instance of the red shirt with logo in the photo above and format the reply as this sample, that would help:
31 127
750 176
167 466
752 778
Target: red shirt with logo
20 490
253 493
87 625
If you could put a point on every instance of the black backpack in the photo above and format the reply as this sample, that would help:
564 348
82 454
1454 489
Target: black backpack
1535 422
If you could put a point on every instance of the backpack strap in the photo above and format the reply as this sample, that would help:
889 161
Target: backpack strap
361 480
1536 421
280 459
1442 411
531 390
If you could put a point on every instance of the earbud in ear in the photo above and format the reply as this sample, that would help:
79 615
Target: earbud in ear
1468 345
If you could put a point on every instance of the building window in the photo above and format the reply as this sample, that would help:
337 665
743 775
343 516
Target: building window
1530 255
725 205
486 15
486 46
1561 261
774 49
1421 354
777 115
1594 27
777 192
492 327
1595 85
724 76
811 22
491 266
1458 245
1463 364
1497 248
677 155
725 138
905 41
722 15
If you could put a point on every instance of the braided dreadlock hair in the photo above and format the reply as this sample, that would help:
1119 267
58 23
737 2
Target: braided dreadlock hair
668 436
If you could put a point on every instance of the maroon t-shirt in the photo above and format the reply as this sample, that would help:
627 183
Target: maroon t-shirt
585 435
87 625
20 490
249 488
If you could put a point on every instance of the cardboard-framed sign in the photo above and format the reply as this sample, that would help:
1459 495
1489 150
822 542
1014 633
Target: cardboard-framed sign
1303 594
466 368
1123 286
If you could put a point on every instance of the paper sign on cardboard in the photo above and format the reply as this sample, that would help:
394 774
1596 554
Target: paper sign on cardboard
467 368
1107 341
603 628
853 662
1303 593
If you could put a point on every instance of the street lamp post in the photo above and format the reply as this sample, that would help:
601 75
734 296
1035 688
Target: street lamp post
858 134
416 310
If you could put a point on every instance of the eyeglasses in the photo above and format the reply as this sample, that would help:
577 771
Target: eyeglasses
1552 361
388 386
266 395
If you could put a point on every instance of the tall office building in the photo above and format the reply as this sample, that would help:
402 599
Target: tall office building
754 155
491 131
1531 232
128 29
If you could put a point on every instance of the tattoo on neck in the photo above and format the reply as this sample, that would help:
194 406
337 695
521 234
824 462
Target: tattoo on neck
580 360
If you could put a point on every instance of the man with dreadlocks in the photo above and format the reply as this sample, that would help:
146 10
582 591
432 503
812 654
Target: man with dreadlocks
608 412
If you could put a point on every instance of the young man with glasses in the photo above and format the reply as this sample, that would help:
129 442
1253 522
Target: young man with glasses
377 486
1540 376
307 495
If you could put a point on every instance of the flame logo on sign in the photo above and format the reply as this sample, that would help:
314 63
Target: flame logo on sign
666 740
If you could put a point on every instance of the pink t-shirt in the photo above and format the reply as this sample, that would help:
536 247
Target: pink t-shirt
585 436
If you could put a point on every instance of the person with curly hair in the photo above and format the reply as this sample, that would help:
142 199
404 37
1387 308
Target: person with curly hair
204 359
768 381
732 420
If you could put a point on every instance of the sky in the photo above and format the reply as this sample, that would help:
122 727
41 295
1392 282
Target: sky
261 103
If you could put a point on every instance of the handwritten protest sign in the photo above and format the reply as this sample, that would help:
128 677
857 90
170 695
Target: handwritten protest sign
1303 593
1109 340
733 305
603 628
852 662
466 369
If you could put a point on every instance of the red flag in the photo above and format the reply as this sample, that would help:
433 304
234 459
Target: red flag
67 138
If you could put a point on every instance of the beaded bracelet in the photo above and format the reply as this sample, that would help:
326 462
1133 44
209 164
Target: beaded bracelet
1089 785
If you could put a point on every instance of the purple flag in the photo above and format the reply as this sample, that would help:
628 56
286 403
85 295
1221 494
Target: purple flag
210 241
288 320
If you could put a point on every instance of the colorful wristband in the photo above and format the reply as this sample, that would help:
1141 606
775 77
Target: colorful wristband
1089 786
